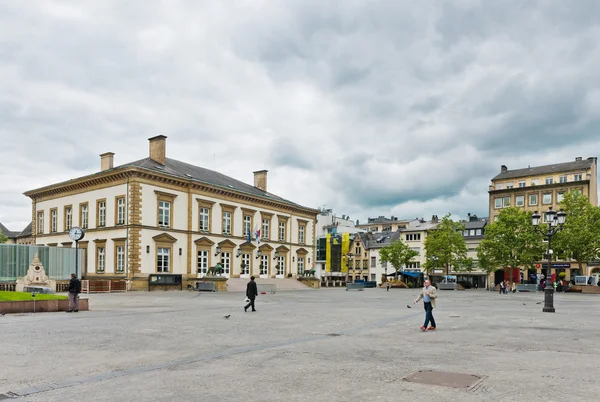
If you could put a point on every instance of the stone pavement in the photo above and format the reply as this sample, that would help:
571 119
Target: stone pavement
315 345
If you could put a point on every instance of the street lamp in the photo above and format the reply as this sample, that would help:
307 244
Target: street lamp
349 258
258 254
218 251
555 222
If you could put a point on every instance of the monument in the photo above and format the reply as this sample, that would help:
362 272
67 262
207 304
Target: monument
36 276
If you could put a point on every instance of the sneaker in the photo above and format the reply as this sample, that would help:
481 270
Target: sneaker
423 328
76 311
431 329
69 311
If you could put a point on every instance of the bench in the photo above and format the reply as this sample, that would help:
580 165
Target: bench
204 286
355 286
308 273
165 281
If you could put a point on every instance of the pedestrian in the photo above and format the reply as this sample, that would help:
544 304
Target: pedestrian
514 287
501 286
74 290
387 285
251 293
429 295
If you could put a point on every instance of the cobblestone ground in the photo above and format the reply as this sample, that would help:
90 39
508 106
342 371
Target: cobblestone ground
316 345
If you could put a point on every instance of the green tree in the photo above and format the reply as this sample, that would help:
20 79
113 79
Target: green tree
446 248
580 237
398 254
510 242
3 239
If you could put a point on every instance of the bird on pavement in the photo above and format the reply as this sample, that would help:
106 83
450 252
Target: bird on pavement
524 304
227 316
407 306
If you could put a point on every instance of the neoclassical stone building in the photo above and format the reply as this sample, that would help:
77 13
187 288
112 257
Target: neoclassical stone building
159 215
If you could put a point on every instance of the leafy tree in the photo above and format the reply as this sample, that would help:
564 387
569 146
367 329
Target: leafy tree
3 239
580 237
510 242
445 247
398 254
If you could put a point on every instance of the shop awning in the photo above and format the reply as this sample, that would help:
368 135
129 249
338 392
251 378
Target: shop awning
406 273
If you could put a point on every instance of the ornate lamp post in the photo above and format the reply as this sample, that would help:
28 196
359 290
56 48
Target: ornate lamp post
555 222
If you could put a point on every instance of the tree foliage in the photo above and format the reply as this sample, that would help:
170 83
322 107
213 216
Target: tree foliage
580 237
510 242
3 238
446 248
398 254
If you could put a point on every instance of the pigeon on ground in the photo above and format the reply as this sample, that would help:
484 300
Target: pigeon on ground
524 304
227 316
538 303
408 306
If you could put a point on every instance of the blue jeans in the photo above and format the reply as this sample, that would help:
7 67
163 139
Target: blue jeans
428 315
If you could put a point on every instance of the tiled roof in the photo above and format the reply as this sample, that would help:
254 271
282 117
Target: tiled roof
547 169
185 170
479 224
10 234
25 232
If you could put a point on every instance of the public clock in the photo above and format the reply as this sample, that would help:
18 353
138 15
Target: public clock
76 233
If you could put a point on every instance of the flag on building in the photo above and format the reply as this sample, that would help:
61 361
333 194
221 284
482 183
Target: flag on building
257 234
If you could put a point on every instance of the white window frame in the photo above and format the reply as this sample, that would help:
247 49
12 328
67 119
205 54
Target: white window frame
522 183
563 179
509 185
300 265
40 216
163 260
301 234
281 263
68 218
522 199
120 268
164 214
498 203
264 265
121 211
264 234
373 262
544 199
536 200
559 197
549 180
247 225
226 262
204 219
101 267
246 260
506 204
53 221
102 214
578 177
478 232
281 231
202 262
84 216
227 216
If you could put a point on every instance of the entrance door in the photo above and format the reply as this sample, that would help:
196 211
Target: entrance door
245 268
280 267
264 266
226 263
202 264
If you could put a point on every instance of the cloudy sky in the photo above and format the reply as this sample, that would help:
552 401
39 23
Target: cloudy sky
403 108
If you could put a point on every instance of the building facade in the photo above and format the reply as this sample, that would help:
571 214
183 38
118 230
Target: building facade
473 234
163 216
538 189
382 224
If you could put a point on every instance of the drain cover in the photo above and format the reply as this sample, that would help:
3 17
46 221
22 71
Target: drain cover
445 379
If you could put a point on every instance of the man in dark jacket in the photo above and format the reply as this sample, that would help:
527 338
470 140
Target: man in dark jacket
251 293
74 290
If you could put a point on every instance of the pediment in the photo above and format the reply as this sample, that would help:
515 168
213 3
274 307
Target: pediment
282 249
301 251
247 246
164 238
204 241
226 244
266 247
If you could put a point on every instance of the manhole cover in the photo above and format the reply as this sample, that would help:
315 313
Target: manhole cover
334 334
445 379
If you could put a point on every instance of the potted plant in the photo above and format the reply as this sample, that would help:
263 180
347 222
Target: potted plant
243 267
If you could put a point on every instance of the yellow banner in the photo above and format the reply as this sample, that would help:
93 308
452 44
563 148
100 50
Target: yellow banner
345 250
328 253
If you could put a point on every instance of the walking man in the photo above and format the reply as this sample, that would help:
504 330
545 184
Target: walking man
428 294
74 290
251 293
387 285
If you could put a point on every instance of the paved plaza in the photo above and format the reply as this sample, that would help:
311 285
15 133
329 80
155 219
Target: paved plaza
312 345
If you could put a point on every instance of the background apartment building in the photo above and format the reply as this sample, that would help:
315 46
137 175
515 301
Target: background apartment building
538 189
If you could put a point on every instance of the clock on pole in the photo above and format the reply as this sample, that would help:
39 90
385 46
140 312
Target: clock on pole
76 233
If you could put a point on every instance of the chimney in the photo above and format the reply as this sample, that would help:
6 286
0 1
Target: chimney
578 159
260 180
503 169
158 149
107 161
